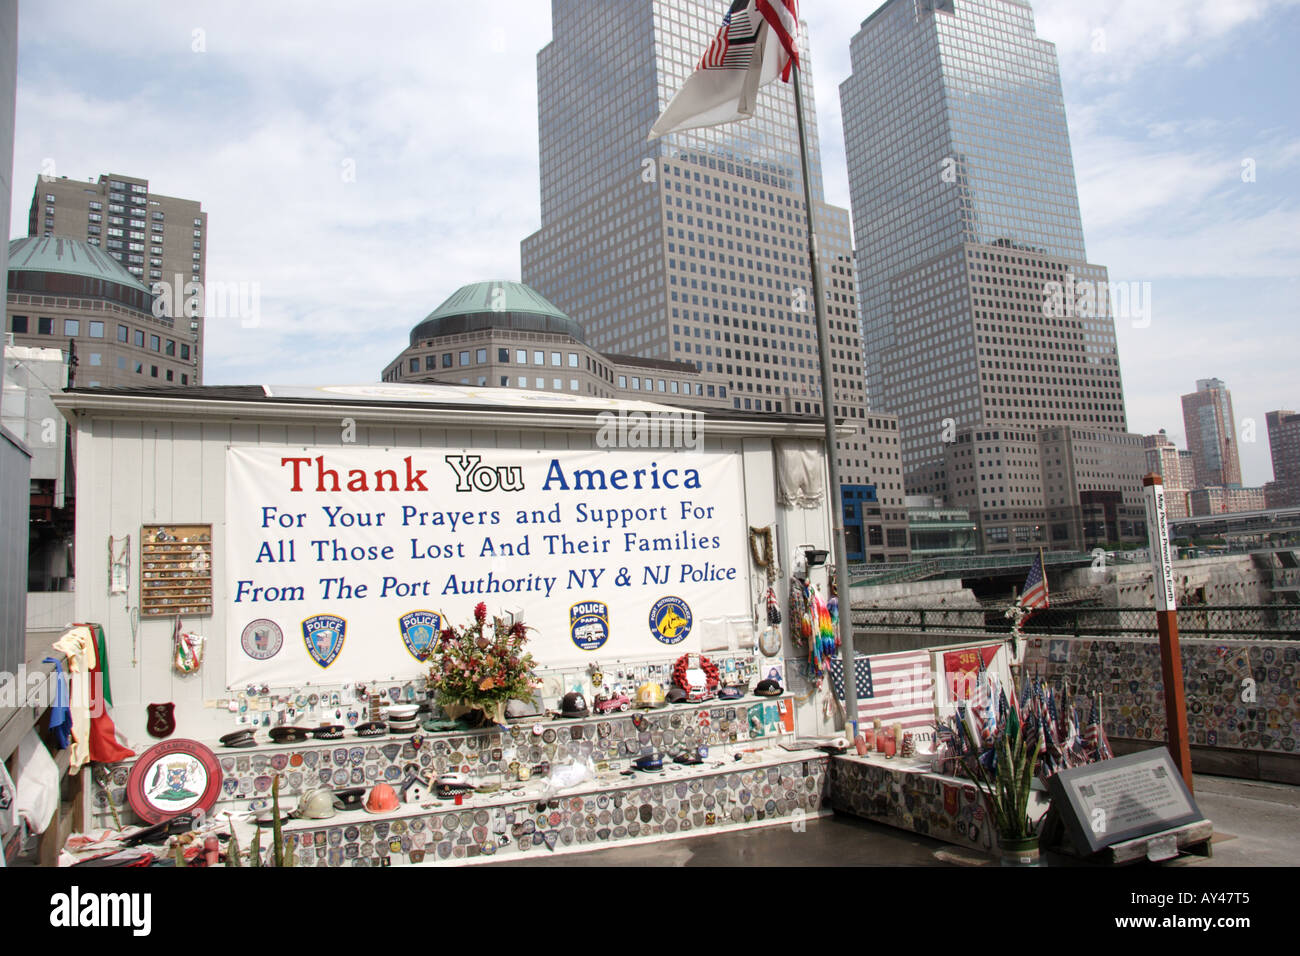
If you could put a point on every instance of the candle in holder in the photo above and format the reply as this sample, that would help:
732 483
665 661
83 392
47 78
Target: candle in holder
891 747
880 737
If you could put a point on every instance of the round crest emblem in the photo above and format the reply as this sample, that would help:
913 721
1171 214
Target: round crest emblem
179 776
262 639
670 620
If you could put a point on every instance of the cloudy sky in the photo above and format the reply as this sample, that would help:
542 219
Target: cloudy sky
361 161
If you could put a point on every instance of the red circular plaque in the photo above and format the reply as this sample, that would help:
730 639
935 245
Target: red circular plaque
174 777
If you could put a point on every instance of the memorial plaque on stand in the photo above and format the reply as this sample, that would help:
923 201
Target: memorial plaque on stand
1119 799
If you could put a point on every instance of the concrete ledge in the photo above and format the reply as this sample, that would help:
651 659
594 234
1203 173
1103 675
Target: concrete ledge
906 794
774 788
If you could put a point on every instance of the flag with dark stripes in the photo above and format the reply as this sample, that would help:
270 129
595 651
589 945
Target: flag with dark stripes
1095 734
757 42
892 688
1034 594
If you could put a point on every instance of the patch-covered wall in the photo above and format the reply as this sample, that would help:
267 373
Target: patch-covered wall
1241 695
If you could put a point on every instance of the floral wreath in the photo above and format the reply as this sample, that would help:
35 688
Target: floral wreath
710 672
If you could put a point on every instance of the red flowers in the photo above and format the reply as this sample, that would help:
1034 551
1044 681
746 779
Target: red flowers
476 667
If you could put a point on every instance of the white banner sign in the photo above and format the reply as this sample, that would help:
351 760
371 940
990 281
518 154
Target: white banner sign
344 563
1162 567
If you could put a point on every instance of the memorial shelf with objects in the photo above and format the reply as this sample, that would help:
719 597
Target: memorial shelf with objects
976 744
428 625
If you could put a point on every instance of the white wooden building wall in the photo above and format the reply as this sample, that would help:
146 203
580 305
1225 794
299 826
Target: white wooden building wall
132 473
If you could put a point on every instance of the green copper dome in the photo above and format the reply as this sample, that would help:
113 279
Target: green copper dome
495 305
70 257
44 265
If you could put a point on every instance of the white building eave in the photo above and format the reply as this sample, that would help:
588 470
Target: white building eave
110 405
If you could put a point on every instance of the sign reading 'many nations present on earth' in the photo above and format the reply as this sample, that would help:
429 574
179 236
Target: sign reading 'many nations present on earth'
342 549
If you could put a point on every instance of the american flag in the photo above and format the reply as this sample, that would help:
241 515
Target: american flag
1034 593
733 47
1095 734
740 59
897 689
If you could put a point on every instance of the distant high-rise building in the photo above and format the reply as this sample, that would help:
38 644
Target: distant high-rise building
1217 499
1166 460
1211 438
156 238
8 92
1284 447
694 248
987 330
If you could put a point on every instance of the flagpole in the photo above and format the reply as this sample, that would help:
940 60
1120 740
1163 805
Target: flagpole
828 419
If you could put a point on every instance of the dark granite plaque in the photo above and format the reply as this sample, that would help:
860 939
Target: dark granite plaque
1123 798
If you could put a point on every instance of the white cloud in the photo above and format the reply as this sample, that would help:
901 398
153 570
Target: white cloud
437 104
436 107
1109 41
1262 246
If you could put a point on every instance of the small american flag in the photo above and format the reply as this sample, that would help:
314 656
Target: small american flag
741 58
733 48
1094 734
1034 594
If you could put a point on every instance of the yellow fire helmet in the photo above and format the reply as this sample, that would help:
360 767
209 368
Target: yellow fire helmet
650 694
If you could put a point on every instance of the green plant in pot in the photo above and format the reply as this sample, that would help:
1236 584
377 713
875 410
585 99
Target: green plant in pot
1003 769
481 667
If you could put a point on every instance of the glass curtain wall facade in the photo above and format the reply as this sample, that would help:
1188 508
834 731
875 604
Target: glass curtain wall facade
955 131
979 307
692 248
958 152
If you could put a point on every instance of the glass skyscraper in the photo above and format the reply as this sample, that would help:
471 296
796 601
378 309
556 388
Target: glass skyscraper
1211 433
966 218
693 248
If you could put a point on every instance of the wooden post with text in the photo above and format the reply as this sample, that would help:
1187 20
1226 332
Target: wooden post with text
1171 658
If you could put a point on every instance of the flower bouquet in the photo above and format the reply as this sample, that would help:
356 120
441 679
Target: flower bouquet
481 667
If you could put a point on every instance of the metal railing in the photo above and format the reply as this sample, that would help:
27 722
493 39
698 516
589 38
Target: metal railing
891 573
1208 622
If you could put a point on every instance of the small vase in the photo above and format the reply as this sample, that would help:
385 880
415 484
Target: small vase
1018 851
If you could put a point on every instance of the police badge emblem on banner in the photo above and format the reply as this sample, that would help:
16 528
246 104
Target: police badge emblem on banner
420 629
324 634
589 624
